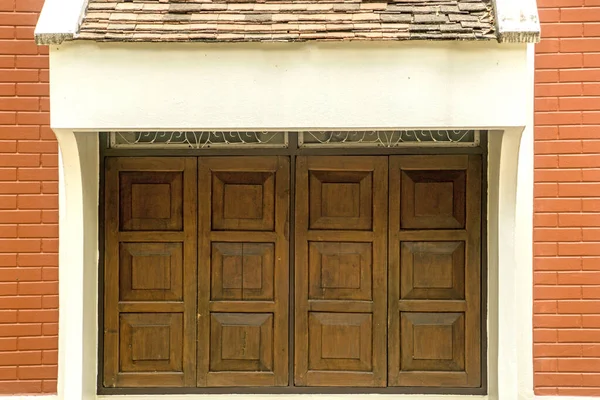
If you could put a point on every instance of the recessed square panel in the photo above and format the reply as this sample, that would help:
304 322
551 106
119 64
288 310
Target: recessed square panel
151 342
433 199
432 341
432 270
242 271
340 341
340 200
241 342
151 201
340 271
243 201
150 271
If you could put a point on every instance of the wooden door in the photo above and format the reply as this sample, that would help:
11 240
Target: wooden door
243 273
150 272
435 271
340 271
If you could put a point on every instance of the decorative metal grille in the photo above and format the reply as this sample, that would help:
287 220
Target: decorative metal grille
306 139
396 138
198 139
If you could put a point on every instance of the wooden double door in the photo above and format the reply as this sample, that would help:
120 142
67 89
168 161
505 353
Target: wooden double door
363 270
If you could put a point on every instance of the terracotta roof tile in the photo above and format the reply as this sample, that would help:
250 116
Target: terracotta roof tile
286 20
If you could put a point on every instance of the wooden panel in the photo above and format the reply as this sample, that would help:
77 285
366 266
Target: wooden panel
340 311
150 271
340 200
434 331
340 342
243 200
340 271
432 199
243 271
150 289
151 342
151 201
241 342
432 270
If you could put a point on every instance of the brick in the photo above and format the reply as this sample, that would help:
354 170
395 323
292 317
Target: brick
30 288
581 132
38 231
37 316
590 293
545 307
557 350
557 321
545 365
37 343
545 249
591 263
578 335
38 174
557 235
545 189
557 264
19 386
20 330
28 146
19 160
591 321
50 357
579 306
19 216
38 202
36 260
579 278
590 235
577 220
558 175
20 302
558 146
586 189
547 219
558 30
50 329
556 292
20 245
558 118
545 335
579 161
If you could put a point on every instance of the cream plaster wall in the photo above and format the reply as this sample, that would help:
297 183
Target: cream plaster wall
336 86
352 85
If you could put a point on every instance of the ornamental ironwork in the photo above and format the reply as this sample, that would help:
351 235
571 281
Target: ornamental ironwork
389 138
198 139
230 139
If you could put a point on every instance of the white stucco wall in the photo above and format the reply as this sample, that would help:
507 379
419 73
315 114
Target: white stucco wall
446 85
352 85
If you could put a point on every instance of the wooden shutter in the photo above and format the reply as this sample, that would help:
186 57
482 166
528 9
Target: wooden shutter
243 271
435 271
340 271
149 272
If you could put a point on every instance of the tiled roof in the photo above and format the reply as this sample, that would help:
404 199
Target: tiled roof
286 20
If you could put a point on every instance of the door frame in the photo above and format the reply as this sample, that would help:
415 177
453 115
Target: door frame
293 150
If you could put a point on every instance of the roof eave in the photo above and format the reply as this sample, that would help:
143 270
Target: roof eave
517 21
59 21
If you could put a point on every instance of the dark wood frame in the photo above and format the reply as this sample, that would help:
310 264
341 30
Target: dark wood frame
292 151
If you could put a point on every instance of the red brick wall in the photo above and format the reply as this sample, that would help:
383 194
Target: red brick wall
28 208
567 204
567 200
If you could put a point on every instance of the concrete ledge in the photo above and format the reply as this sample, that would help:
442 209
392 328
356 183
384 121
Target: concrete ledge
59 21
517 21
